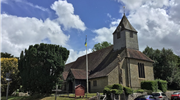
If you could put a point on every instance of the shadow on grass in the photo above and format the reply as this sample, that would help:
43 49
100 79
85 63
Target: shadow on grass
33 97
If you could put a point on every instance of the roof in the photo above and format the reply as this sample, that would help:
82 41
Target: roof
135 54
94 59
102 62
79 73
125 24
66 70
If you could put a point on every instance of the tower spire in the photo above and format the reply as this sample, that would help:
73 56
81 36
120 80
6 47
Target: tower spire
124 9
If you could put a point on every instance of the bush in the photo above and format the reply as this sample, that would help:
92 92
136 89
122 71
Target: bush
106 90
119 88
128 90
162 85
140 91
116 89
149 85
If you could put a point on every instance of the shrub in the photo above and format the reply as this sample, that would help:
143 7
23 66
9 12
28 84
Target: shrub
140 91
162 85
149 85
119 87
128 90
116 89
107 91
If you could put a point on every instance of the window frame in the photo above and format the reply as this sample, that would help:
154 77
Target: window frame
131 34
95 83
141 70
118 35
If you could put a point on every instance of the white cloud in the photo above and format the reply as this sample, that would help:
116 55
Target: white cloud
134 4
25 3
20 32
157 26
104 34
67 18
74 55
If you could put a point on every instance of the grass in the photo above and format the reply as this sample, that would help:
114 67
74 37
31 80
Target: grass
51 97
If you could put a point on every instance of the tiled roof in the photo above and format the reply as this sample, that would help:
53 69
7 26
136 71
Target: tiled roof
66 70
135 54
65 74
68 66
107 65
78 73
94 59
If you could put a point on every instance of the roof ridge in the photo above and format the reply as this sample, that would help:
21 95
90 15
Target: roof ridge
94 51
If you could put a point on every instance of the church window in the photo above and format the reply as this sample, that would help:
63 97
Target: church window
131 34
141 70
118 35
95 83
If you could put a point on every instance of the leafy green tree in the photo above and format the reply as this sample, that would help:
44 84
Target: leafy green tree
6 55
9 65
102 45
165 64
41 67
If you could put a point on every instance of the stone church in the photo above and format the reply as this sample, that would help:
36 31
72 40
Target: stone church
120 63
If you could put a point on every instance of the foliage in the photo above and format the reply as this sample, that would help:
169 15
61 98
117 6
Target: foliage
149 85
162 85
41 67
9 65
116 89
165 65
100 46
128 90
107 91
119 87
6 55
139 91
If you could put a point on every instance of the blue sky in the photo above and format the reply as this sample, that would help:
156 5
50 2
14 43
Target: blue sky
67 22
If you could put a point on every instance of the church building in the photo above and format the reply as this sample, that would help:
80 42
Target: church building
121 63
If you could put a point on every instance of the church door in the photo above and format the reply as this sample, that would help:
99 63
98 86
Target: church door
70 86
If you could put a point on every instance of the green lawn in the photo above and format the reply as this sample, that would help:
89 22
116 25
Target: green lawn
52 97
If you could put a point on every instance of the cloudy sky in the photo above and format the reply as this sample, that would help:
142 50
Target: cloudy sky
67 22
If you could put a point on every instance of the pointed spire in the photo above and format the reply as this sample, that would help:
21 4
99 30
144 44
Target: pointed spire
125 24
124 9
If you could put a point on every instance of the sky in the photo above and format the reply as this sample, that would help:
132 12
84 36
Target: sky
67 22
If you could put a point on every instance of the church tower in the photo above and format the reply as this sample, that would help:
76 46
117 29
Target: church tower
125 35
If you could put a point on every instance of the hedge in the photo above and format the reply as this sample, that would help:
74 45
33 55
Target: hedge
116 89
128 90
162 85
149 85
140 91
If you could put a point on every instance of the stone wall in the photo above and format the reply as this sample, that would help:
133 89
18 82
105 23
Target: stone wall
121 42
101 83
113 77
148 68
132 42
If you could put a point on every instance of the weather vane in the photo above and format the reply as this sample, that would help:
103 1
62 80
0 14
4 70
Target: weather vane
124 9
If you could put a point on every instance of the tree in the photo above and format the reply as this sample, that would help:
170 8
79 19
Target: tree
6 55
102 45
41 67
9 65
165 64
